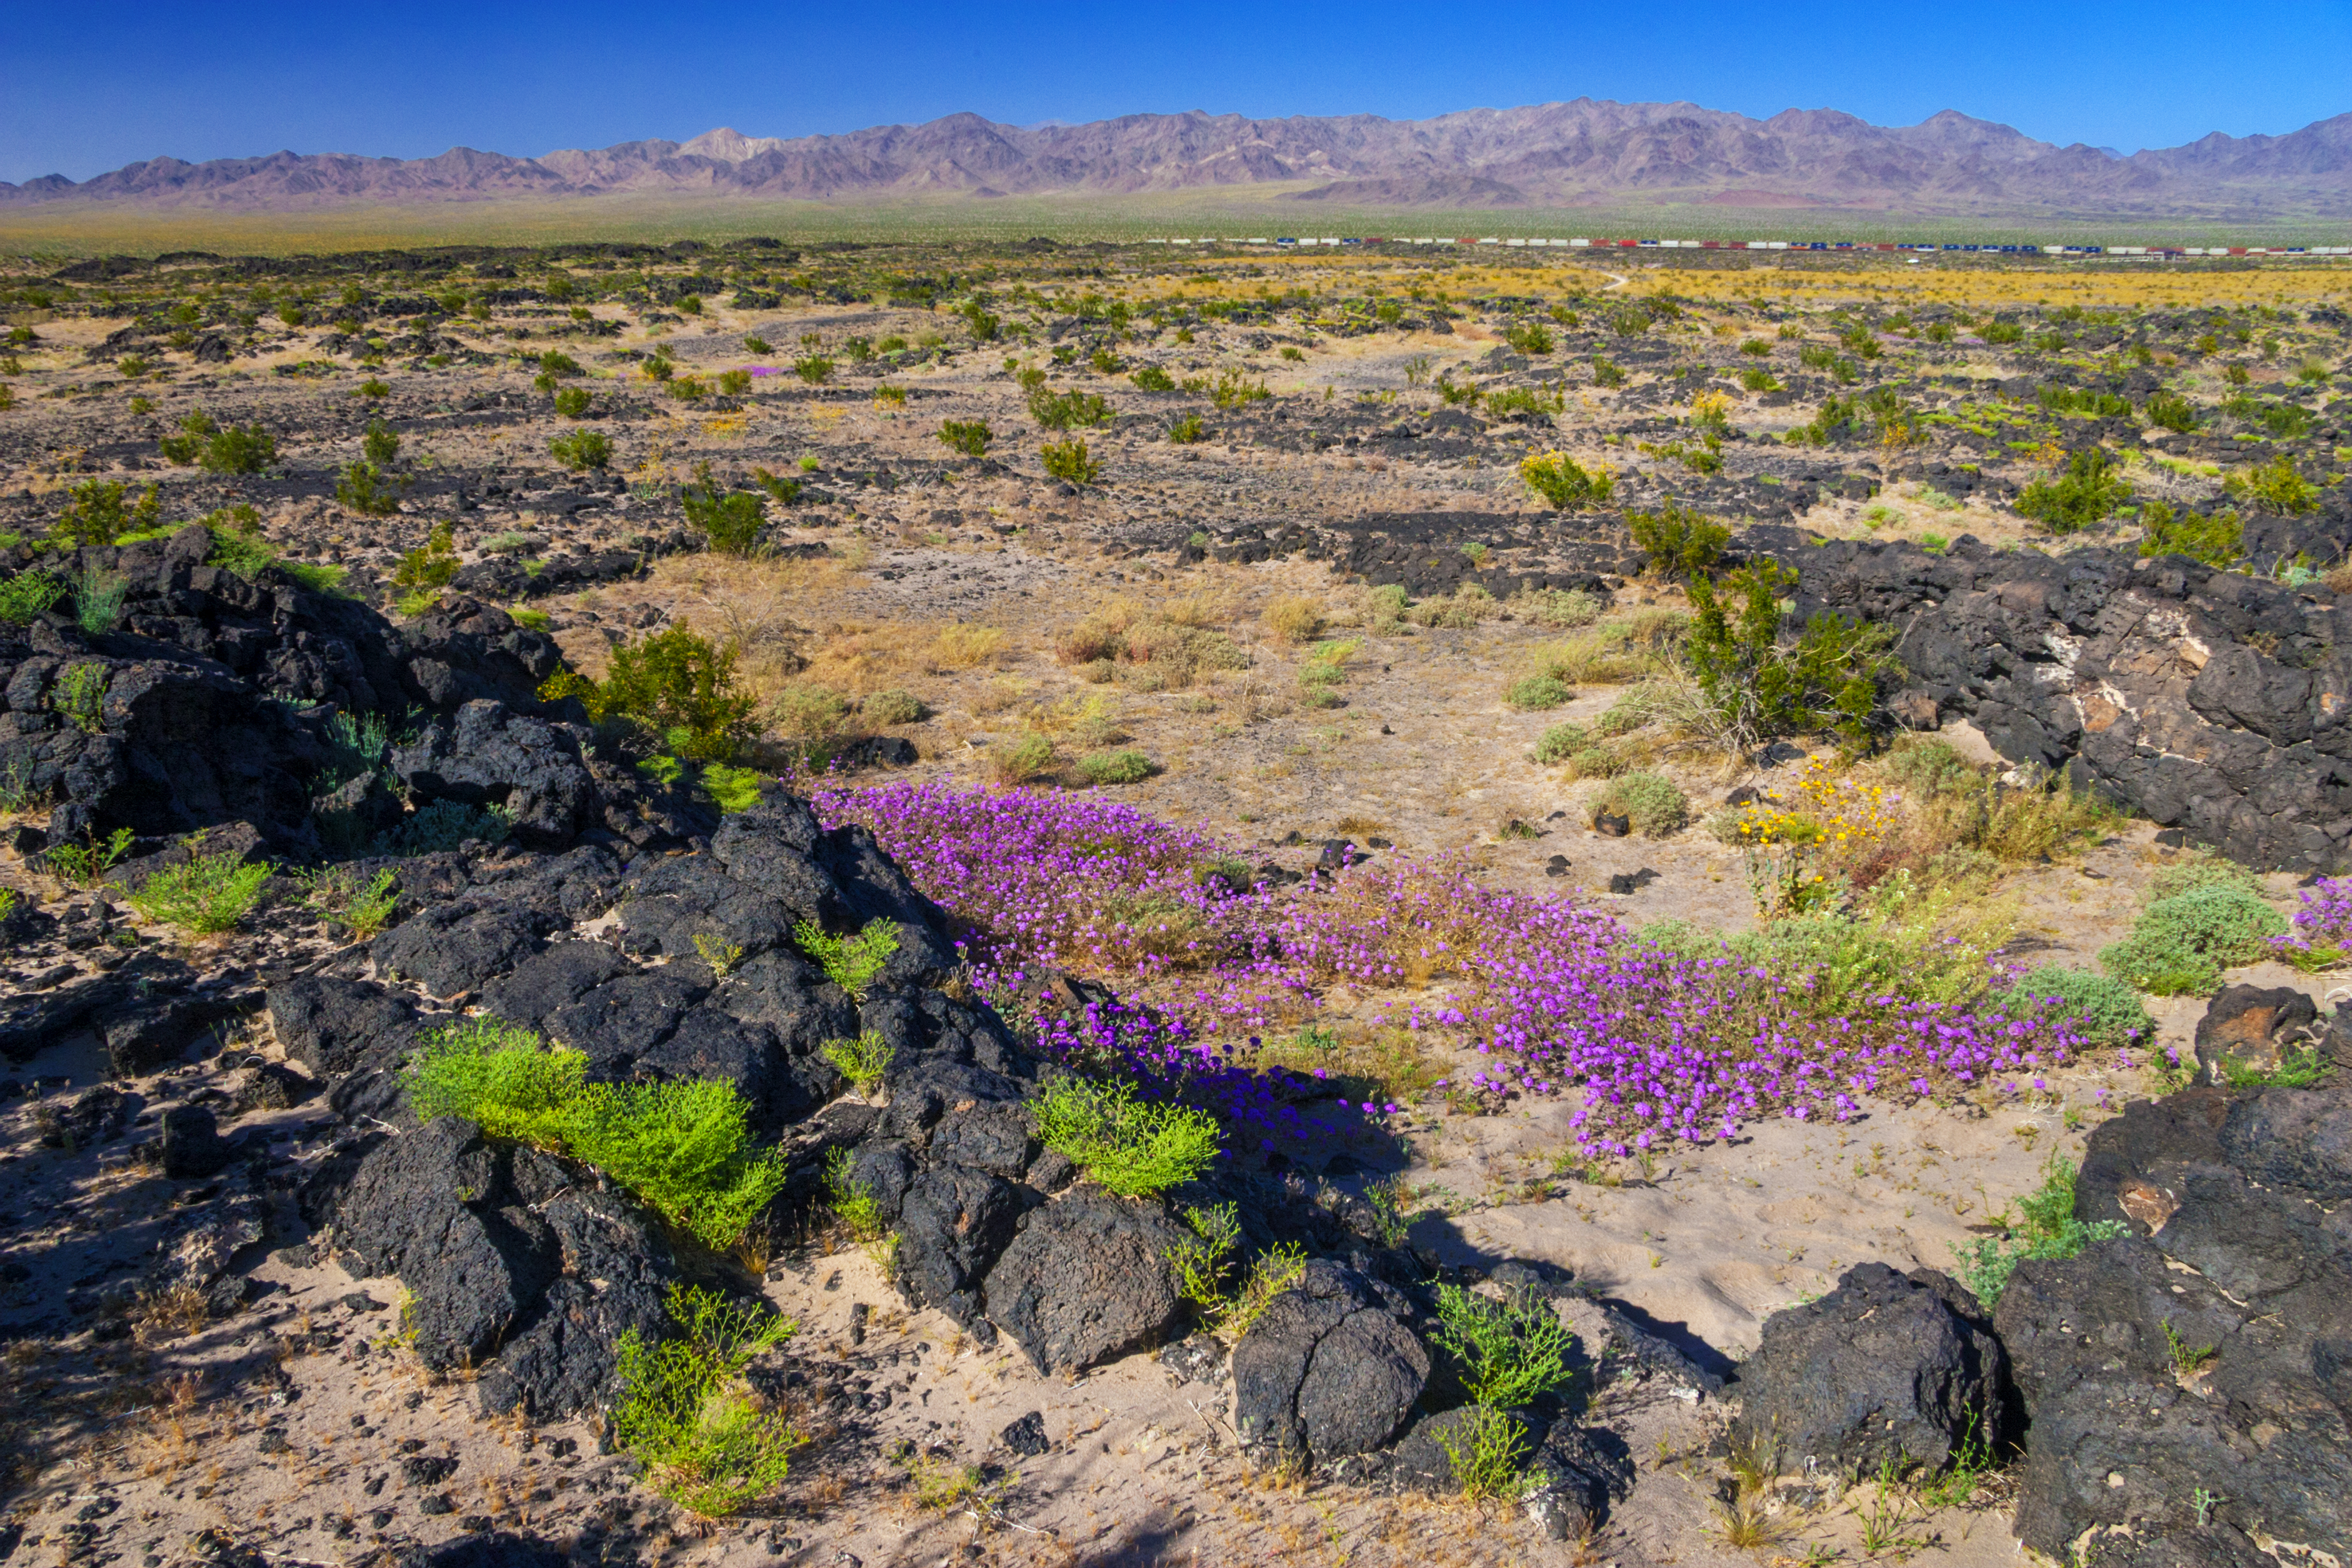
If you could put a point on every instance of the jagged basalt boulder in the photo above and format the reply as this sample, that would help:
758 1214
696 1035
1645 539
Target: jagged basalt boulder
1087 1279
2210 700
1886 1366
2254 1027
2210 1348
1329 1369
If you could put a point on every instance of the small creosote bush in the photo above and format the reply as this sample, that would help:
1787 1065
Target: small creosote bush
706 1443
357 906
1070 462
674 685
853 963
581 449
1680 540
1536 692
1564 483
1133 1147
1652 802
968 437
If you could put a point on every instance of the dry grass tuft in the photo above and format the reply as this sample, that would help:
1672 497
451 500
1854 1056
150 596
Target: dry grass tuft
966 645
1295 618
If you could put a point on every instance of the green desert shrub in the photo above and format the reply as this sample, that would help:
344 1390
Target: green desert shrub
729 522
855 961
1133 1147
705 1442
580 450
1652 802
571 403
27 595
894 706
2087 492
1070 462
1564 483
675 686
203 895
2180 945
1536 692
968 437
246 449
1758 688
1680 540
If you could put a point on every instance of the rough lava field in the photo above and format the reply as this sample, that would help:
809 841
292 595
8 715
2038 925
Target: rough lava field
1459 908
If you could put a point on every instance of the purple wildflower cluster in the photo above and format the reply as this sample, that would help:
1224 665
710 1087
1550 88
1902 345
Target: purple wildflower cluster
1561 999
2323 919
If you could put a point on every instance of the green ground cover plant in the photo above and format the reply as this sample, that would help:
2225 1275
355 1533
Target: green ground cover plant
2180 945
2046 1227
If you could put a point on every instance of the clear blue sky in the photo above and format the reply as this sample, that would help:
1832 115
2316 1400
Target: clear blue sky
90 91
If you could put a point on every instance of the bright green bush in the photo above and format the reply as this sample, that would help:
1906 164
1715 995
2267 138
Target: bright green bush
2104 1011
1680 540
494 1074
580 449
1133 1147
2045 1229
853 963
674 686
28 594
2181 945
685 1148
865 1061
361 487
1152 378
706 1444
1652 802
206 894
1511 1351
735 789
2087 492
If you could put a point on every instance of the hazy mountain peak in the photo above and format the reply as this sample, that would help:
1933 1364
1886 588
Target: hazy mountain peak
1582 151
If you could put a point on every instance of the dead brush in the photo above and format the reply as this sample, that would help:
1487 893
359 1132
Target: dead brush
171 1313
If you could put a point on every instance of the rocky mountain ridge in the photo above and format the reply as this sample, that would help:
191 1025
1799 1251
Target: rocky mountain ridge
1556 155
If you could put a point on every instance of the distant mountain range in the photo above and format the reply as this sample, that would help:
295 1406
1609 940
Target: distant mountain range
1584 153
